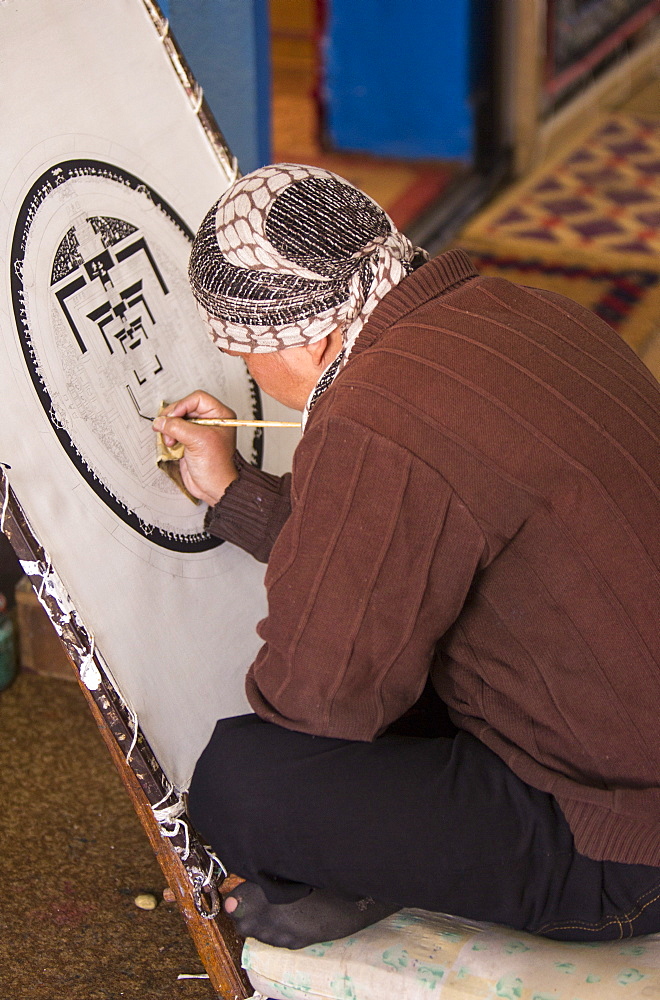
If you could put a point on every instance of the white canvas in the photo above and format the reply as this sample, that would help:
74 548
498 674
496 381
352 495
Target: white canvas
105 173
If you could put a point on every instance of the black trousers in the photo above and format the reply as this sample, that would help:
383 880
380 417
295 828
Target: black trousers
436 823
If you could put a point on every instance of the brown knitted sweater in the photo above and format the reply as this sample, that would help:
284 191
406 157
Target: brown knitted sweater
478 496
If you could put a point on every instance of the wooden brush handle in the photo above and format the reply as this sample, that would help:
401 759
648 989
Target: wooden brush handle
230 422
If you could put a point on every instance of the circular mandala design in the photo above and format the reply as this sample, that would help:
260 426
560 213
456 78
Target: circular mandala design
99 291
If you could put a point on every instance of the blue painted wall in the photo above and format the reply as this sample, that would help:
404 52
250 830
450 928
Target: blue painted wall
402 79
226 44
398 77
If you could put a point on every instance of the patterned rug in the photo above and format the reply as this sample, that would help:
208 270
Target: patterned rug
600 199
587 225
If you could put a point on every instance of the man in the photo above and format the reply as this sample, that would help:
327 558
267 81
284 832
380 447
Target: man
475 500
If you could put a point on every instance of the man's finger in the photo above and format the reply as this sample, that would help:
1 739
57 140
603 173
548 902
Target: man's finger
198 404
184 431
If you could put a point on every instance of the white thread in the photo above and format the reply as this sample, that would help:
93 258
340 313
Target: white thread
177 826
169 814
209 875
134 723
200 99
205 975
186 851
49 567
89 672
165 28
170 789
53 587
214 857
5 504
233 177
30 568
107 676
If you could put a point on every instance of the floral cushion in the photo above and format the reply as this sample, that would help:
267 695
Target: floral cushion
414 954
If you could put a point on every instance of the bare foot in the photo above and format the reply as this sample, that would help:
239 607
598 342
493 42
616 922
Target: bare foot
320 916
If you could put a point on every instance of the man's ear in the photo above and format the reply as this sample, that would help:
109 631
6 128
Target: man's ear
325 349
317 350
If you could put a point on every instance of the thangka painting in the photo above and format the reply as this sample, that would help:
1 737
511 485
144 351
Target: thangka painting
109 161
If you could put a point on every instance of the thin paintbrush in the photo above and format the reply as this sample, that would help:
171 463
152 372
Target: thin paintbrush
230 422
218 421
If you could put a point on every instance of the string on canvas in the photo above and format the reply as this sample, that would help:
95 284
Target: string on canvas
199 98
170 819
235 172
5 504
177 826
209 875
89 672
196 92
214 860
168 792
45 575
171 813
134 726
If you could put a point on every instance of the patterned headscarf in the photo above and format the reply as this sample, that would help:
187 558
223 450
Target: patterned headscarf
288 254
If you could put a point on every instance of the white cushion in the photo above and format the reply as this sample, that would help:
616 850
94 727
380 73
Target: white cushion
414 954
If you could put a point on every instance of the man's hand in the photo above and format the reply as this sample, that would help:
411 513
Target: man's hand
207 466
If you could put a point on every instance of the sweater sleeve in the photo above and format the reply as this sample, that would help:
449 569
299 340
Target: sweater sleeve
252 510
370 570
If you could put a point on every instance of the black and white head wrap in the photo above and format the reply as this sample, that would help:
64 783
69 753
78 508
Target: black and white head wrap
288 254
